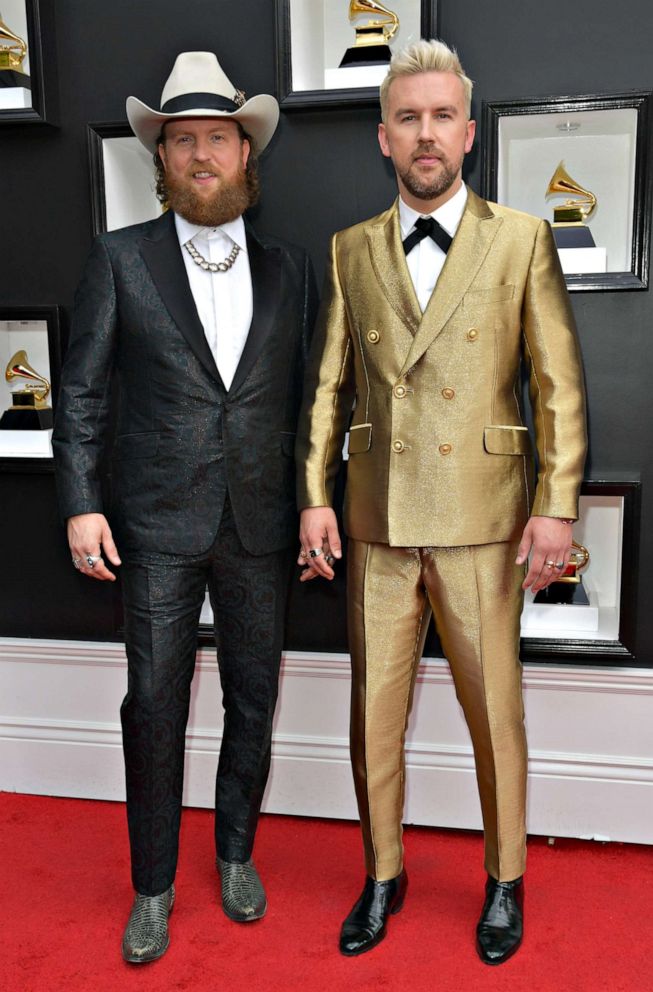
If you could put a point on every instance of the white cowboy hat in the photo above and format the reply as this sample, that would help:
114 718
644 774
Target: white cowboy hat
197 87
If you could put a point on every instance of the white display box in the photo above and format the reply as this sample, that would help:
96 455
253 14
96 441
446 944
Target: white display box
583 260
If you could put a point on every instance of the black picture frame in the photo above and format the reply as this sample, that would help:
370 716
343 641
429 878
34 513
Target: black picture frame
52 314
621 650
637 276
41 48
97 133
291 98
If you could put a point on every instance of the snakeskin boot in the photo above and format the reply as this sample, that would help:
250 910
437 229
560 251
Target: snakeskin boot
146 936
243 895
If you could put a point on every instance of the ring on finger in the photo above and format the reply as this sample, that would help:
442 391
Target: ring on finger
316 552
303 554
560 564
77 562
329 559
92 560
550 564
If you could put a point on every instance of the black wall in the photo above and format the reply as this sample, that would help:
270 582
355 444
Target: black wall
322 172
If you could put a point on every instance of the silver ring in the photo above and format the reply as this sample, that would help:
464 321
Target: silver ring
550 564
560 564
329 559
91 560
77 562
316 552
302 554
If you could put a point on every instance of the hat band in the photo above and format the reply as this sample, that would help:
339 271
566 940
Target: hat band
192 101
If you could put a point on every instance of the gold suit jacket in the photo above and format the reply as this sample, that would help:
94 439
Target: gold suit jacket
438 453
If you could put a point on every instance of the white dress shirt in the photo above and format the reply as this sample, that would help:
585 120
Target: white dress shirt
426 261
224 300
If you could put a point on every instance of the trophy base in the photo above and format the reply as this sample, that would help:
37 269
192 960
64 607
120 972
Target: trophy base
563 594
26 420
573 236
362 55
12 77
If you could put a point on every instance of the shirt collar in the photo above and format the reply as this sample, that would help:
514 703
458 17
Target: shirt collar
233 230
448 215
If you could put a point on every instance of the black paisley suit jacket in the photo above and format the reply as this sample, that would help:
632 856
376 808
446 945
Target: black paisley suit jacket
181 440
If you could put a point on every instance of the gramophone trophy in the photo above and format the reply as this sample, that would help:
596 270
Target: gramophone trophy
29 410
570 228
372 37
12 55
568 589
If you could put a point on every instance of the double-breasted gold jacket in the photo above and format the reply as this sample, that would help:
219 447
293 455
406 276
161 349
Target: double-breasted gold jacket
438 452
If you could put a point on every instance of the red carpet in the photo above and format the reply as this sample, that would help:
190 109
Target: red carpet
66 896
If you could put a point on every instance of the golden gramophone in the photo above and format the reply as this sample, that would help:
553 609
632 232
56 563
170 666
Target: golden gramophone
372 37
568 587
570 218
12 49
29 409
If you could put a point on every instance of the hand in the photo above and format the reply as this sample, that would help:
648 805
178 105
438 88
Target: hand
90 534
549 540
318 529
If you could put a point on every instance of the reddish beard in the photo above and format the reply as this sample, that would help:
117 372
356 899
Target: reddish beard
227 202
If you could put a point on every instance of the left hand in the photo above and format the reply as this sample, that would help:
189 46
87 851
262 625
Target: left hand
548 540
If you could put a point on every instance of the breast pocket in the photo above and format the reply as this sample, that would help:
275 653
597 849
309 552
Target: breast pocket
478 298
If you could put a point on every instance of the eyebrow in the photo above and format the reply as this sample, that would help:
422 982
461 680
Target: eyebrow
412 110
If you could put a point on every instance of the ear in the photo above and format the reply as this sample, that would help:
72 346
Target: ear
161 148
246 148
383 140
469 138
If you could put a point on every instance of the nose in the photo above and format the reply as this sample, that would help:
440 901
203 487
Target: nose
202 149
426 130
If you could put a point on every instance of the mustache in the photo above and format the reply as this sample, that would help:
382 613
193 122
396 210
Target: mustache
426 148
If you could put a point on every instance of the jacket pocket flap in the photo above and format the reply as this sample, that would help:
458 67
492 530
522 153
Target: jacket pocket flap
360 438
493 294
507 440
136 446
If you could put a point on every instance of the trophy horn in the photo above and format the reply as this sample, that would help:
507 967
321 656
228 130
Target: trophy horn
13 54
572 210
388 23
19 368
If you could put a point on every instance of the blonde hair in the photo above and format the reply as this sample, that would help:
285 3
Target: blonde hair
425 56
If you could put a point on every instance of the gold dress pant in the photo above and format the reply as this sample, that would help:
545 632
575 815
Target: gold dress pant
476 597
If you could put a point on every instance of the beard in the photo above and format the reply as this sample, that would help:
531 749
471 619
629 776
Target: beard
231 199
434 186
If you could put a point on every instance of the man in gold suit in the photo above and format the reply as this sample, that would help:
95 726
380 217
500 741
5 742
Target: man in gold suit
428 311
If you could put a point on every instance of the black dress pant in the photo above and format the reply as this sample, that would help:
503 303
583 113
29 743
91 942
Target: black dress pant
163 597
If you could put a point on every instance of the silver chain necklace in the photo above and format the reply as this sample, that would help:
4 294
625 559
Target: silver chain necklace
212 266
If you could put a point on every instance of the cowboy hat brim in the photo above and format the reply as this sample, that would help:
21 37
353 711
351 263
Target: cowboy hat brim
259 117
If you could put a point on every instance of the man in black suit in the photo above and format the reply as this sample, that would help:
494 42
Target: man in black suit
189 335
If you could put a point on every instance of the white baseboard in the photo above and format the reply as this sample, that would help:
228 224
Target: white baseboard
590 767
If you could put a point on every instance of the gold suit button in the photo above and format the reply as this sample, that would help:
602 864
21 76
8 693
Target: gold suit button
373 336
445 449
448 393
399 391
398 446
472 334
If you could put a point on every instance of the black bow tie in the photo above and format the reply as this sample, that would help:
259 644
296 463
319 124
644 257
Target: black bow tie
427 227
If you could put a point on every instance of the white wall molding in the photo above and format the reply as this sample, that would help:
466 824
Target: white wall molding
590 743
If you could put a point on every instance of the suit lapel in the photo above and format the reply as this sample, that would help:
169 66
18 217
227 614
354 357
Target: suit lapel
478 229
163 258
265 268
389 264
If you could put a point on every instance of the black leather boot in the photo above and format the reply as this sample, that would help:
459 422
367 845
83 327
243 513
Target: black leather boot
364 928
500 928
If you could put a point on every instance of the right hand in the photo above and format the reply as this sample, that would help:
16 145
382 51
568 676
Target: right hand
90 534
318 528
